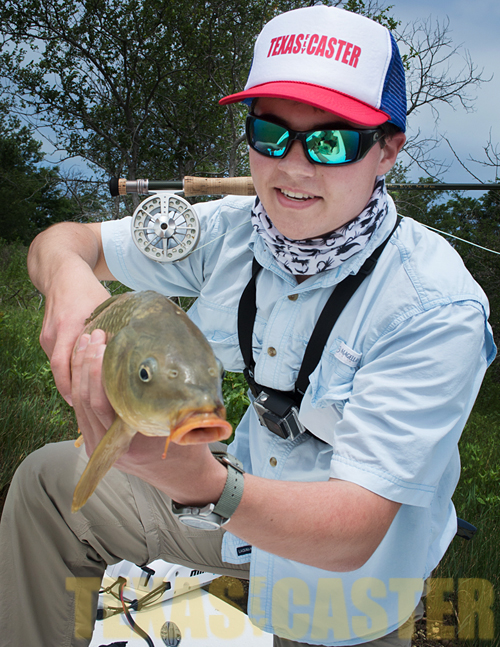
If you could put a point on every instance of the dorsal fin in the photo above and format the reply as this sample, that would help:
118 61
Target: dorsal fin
100 308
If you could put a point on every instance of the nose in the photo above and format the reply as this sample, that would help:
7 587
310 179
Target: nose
295 162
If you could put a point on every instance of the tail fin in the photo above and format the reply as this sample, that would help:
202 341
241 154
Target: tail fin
115 443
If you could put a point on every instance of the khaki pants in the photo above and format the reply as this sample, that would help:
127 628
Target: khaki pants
42 543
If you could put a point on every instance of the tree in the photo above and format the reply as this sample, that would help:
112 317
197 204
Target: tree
131 85
429 56
462 218
30 195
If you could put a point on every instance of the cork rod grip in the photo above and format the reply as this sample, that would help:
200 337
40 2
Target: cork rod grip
218 186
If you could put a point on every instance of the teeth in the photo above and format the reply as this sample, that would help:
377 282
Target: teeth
296 196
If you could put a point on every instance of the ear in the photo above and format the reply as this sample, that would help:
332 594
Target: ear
393 144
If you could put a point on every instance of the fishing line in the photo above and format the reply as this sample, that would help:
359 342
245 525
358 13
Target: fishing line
245 222
427 226
462 240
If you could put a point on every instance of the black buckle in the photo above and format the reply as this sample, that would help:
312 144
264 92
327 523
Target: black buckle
279 413
367 267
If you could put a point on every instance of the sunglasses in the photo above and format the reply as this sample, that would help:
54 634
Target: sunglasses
331 146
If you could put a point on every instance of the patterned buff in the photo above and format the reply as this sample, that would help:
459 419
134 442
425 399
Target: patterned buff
315 255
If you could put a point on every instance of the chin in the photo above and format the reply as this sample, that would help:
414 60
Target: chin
292 234
299 232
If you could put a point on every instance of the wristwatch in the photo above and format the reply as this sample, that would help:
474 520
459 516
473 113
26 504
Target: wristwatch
214 515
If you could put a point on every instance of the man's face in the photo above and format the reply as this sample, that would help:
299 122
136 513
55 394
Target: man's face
305 200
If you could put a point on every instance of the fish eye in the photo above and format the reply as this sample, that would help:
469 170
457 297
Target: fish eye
219 372
147 369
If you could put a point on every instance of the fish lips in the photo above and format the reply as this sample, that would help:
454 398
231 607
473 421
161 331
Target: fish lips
201 428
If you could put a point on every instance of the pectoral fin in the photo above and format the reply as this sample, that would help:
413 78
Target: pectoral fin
115 443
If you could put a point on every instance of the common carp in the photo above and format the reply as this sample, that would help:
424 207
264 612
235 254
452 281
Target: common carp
160 376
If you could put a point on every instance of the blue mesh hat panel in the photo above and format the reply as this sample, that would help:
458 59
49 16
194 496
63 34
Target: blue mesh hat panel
394 93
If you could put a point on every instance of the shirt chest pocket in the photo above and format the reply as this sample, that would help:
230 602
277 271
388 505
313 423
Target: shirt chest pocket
219 325
331 382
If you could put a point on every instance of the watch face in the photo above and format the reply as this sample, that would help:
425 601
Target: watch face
197 522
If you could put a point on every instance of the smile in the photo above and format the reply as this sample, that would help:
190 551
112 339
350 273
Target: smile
296 196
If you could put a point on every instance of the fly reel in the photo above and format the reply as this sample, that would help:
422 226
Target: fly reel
165 227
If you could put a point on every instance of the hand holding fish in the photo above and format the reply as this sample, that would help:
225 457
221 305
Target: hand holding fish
66 264
62 324
161 379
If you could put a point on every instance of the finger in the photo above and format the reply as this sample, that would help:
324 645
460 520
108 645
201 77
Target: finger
60 363
99 402
77 368
90 426
92 407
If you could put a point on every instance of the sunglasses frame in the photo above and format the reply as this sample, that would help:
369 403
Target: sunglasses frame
368 138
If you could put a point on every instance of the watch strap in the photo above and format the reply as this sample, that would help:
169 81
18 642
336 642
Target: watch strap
233 489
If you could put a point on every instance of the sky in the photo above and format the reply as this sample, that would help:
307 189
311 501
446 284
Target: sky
475 26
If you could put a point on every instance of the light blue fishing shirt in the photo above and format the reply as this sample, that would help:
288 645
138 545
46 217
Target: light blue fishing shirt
386 405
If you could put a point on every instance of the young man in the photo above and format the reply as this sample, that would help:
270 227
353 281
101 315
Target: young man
336 527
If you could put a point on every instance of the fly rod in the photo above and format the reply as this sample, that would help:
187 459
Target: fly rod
192 186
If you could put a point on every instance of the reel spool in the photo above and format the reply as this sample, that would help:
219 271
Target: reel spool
165 228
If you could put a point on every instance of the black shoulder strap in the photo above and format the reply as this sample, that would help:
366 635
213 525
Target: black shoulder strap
247 310
337 301
331 312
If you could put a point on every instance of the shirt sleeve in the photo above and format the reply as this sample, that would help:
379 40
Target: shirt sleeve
132 268
403 410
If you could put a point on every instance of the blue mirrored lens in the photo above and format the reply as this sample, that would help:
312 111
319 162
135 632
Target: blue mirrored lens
333 146
268 138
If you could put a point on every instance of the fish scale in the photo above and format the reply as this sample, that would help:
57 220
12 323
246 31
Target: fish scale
125 306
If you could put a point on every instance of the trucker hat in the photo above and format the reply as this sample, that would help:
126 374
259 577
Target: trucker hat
332 59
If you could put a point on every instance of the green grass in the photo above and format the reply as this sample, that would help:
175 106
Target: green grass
32 413
477 500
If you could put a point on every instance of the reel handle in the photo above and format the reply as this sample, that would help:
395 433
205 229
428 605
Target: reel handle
191 186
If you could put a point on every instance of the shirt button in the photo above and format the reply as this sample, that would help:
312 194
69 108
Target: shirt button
293 297
273 462
271 351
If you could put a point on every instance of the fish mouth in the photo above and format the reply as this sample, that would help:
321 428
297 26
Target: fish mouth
201 428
